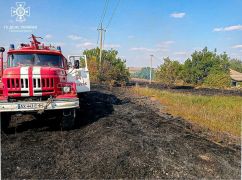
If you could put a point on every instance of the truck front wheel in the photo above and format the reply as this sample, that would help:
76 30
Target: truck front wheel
68 119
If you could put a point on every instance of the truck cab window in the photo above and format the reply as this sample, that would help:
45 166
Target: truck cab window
35 60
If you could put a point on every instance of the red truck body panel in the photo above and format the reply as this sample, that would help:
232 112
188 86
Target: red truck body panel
35 81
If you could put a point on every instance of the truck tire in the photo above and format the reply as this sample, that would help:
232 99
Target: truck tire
68 119
5 120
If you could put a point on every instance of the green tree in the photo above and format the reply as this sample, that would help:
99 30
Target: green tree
169 72
196 69
113 69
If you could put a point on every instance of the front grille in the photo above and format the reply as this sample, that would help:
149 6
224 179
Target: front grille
40 85
43 83
36 83
15 83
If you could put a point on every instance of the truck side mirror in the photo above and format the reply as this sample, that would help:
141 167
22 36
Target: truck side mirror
2 49
69 65
76 64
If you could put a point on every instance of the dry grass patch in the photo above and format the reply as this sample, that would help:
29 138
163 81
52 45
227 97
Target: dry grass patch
218 113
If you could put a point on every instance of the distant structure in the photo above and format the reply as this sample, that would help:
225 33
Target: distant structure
134 69
236 77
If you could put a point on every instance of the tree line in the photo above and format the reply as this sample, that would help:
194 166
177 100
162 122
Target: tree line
203 68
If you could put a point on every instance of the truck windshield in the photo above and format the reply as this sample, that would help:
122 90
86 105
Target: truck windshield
35 60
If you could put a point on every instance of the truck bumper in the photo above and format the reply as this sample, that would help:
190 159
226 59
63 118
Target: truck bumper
55 104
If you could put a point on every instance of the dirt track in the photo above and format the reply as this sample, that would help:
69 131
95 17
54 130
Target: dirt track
119 137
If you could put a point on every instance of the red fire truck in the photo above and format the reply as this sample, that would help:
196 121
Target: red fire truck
39 79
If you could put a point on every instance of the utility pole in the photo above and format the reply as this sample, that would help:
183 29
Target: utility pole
101 43
151 56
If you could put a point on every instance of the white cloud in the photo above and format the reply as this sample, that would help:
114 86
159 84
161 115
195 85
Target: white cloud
86 45
112 46
217 29
237 46
48 36
168 42
74 37
143 49
233 28
178 15
229 28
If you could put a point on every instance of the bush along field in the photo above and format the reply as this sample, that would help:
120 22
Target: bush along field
206 68
112 69
217 113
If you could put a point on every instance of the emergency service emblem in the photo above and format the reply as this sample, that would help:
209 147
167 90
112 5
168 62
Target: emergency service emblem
20 11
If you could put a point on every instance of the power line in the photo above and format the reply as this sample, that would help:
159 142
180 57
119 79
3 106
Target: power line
102 18
104 12
110 20
101 29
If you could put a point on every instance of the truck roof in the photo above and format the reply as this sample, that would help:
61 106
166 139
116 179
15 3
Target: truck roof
36 51
35 47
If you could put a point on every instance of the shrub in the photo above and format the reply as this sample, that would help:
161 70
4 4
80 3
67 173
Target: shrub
218 79
113 69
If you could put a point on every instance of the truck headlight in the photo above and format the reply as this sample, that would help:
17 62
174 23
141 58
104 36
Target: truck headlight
66 89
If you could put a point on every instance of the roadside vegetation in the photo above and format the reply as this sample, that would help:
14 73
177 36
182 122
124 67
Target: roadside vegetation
112 69
217 113
203 68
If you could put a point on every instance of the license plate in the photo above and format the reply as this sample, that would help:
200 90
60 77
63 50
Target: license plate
30 106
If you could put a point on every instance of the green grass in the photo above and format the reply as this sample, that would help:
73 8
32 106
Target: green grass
217 113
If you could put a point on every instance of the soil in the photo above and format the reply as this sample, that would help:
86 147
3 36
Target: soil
116 136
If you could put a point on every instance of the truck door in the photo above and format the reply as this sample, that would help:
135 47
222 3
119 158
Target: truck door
78 73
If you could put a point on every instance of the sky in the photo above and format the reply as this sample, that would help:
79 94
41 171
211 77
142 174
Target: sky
139 28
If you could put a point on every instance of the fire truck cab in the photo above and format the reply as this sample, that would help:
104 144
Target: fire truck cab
38 78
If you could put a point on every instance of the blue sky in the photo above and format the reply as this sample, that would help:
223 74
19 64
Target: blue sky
173 28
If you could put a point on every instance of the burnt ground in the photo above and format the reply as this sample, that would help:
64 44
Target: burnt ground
117 136
190 89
